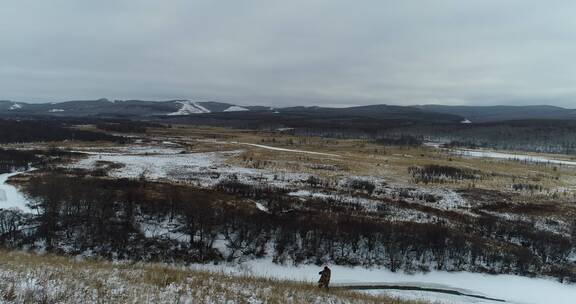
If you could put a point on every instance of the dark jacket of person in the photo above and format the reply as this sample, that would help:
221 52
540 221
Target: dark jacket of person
324 277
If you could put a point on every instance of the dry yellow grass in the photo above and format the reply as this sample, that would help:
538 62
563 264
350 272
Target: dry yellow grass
361 157
364 158
29 278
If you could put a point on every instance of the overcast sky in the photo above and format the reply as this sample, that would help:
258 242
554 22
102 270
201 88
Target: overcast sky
291 52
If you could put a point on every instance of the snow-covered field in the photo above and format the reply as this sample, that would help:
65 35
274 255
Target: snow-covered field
155 166
512 289
204 169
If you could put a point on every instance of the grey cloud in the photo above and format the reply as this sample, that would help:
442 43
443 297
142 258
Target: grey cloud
329 52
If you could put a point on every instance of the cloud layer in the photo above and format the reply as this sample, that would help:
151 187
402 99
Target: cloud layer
326 52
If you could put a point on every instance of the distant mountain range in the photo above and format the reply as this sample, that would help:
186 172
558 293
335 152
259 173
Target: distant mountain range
117 108
178 109
503 113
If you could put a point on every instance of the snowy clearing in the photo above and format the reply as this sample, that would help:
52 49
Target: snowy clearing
156 166
205 169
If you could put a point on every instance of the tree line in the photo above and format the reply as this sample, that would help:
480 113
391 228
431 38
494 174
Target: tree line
105 217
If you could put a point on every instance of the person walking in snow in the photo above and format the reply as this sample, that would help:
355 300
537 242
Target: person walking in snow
324 278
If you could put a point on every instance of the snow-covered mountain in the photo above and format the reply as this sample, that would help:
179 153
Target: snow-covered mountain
236 109
15 106
190 107
182 108
117 108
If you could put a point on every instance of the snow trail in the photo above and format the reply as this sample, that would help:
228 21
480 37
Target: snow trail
10 197
286 150
269 147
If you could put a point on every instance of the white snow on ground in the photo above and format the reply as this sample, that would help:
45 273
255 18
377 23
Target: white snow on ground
130 150
10 197
309 194
189 107
514 289
209 168
550 224
162 229
370 205
236 109
205 169
73 282
450 200
410 215
56 110
367 204
429 297
15 106
511 156
261 207
156 166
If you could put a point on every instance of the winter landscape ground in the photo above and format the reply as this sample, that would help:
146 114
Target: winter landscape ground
446 224
255 152
27 278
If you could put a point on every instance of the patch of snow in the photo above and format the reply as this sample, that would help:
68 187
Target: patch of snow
162 229
261 207
130 150
549 223
466 121
367 204
394 213
410 215
450 200
433 144
511 156
15 106
56 110
153 166
203 169
428 297
236 109
10 197
189 107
